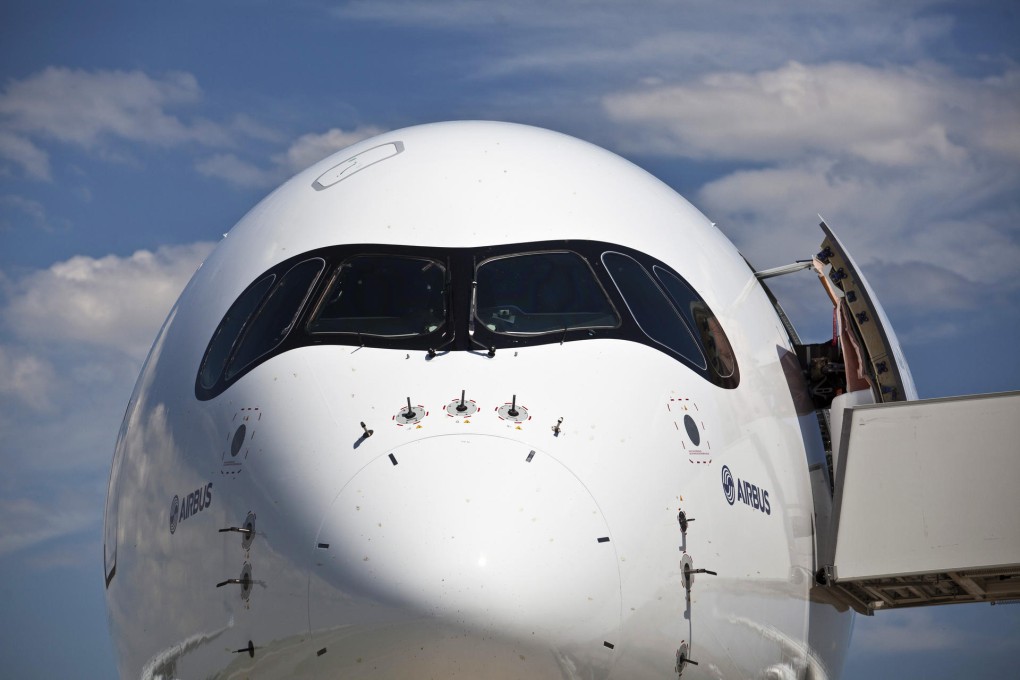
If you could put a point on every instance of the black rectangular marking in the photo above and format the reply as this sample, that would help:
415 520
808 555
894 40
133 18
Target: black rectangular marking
604 539
530 456
393 459
321 652
610 645
324 545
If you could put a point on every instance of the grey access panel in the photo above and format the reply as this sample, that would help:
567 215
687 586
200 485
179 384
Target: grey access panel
927 503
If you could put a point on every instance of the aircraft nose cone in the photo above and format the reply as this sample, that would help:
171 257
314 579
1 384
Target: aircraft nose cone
480 534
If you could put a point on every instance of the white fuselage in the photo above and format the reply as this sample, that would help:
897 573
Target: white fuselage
469 545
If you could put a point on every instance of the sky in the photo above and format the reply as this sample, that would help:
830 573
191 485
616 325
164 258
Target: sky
134 135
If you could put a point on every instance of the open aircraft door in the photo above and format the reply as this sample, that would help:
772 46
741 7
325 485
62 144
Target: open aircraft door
862 363
863 324
925 504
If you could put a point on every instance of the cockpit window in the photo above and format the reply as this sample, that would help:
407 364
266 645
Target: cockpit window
717 346
272 323
230 328
652 311
537 293
455 299
384 295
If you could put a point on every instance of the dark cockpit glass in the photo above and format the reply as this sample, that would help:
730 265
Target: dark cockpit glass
230 328
717 346
385 296
537 293
651 309
511 295
277 316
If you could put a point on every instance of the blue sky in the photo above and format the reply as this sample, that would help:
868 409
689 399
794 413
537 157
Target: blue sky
132 136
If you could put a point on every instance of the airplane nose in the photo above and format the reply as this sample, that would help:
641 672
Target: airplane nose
481 536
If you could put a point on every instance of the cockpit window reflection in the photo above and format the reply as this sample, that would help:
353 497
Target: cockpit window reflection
450 299
537 293
385 296
277 316
229 330
717 346
651 309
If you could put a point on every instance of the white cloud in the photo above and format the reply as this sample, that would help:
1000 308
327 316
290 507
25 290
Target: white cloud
14 209
302 152
231 169
81 107
101 110
247 126
34 210
892 116
28 522
607 40
311 148
74 336
934 213
97 110
79 551
32 160
25 377
110 302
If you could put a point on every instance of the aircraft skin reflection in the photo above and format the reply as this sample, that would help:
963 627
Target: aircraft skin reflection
532 533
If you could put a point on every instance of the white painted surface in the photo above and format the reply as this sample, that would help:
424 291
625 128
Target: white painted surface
837 412
930 486
621 461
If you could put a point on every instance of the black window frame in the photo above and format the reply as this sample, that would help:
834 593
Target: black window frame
461 331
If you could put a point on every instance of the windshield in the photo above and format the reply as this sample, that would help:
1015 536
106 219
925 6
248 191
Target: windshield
540 293
383 295
700 317
454 299
230 329
270 325
651 309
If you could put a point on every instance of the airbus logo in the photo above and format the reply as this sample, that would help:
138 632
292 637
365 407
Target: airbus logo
752 495
175 508
727 485
195 501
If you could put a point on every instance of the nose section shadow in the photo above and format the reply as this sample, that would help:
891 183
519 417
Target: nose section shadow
473 531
